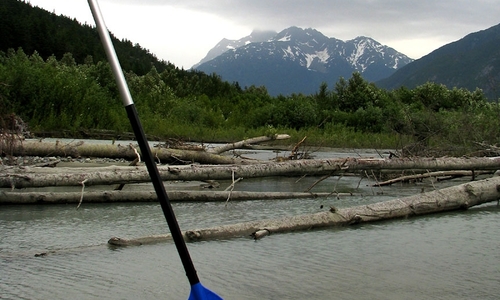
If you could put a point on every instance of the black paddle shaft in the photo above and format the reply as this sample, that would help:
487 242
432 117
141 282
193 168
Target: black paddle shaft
143 144
162 195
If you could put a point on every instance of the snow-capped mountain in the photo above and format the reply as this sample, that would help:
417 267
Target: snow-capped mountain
225 44
298 60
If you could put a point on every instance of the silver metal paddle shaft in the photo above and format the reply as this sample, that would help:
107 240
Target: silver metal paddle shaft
111 53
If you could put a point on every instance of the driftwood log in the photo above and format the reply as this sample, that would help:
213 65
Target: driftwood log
149 196
14 177
81 149
245 143
453 198
170 155
439 175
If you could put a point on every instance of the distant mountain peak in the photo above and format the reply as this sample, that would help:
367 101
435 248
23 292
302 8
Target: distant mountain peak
303 55
300 35
224 45
259 35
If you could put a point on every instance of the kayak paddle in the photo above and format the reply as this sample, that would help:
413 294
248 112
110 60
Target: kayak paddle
198 291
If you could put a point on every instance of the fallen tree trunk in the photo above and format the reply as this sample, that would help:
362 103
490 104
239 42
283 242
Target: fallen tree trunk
453 198
439 174
31 148
33 177
170 155
240 144
149 196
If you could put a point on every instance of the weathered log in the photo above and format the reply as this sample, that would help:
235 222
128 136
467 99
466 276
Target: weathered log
453 198
240 144
32 148
147 196
32 177
78 149
439 174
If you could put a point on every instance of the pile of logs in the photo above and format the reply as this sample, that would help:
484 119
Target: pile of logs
211 165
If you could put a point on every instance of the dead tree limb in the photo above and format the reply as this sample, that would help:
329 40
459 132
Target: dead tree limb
294 153
318 181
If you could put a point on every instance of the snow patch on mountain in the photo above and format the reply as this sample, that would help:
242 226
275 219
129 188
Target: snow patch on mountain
317 57
323 55
288 52
286 38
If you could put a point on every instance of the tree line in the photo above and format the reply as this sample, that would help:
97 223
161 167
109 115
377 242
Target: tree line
60 79
55 94
35 29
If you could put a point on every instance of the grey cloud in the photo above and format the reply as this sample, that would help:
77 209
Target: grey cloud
355 17
319 10
387 21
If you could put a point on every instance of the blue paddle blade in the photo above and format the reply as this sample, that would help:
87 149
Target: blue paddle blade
199 292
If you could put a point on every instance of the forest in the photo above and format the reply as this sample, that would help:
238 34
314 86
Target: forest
61 95
55 78
35 29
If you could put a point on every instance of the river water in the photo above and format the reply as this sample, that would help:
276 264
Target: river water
443 256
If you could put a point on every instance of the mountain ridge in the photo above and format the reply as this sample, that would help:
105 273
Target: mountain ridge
312 58
470 62
226 44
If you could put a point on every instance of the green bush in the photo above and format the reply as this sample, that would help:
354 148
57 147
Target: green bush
60 94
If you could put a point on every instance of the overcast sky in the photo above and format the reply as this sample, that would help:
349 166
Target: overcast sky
182 32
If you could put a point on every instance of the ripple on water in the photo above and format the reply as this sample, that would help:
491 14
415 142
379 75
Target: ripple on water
445 256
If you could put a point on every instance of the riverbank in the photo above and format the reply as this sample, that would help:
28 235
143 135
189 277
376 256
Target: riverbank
341 138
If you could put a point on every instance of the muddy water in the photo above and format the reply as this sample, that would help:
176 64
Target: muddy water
443 256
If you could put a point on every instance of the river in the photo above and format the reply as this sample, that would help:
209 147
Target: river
443 256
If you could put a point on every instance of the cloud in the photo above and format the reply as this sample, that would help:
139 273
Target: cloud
184 31
384 20
394 14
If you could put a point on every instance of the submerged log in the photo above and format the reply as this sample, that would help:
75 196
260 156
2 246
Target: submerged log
39 177
453 198
148 196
